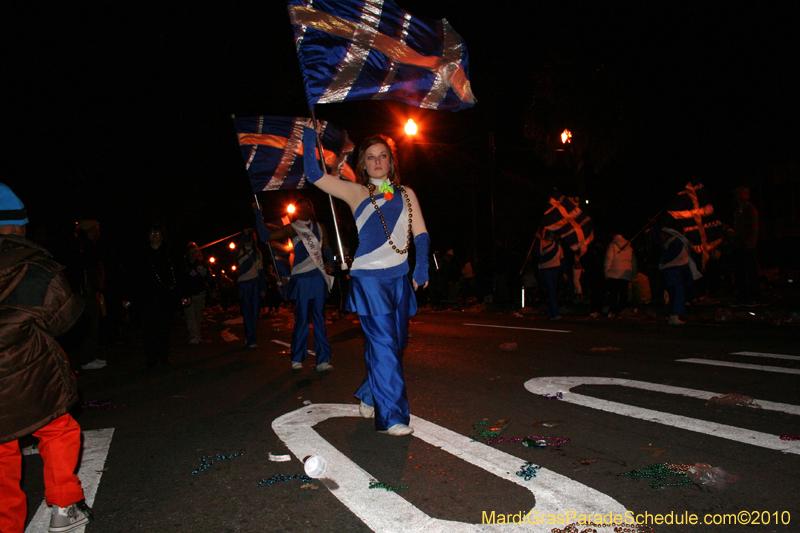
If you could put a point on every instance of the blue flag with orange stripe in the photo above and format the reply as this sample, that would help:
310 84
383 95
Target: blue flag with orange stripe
272 148
375 50
695 215
568 222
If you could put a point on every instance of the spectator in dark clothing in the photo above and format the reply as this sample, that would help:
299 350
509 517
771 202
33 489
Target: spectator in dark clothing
92 286
594 273
200 280
745 237
157 288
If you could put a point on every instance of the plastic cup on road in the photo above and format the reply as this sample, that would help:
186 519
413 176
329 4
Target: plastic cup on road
315 466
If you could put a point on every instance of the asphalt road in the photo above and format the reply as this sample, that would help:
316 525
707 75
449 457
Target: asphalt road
627 402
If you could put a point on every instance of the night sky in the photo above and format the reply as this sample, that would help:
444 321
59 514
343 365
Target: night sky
121 111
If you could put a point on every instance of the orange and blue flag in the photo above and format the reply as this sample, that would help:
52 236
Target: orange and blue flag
695 215
272 148
375 50
569 223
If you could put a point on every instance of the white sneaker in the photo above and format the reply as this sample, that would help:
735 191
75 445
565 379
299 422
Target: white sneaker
324 366
297 366
676 321
94 365
398 430
69 517
366 411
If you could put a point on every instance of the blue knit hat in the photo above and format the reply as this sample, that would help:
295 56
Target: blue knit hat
12 210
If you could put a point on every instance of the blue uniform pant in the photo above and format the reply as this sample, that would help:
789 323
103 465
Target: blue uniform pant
677 280
249 293
549 277
314 310
385 338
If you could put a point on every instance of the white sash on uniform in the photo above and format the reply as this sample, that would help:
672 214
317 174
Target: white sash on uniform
314 248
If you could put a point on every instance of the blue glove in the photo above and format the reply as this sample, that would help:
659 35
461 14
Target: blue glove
328 253
263 232
312 169
422 242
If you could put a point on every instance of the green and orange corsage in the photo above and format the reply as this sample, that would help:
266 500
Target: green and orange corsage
387 190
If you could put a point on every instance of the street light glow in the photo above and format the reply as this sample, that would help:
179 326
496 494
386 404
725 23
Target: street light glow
232 246
212 259
411 127
566 137
290 208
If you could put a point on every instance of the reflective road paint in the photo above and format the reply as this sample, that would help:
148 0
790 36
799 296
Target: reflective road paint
553 385
386 511
714 362
93 457
769 355
515 327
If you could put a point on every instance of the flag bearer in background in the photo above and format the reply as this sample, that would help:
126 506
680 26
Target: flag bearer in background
251 283
37 387
388 217
310 282
548 249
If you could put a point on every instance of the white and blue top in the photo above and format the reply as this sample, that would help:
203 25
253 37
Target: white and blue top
375 257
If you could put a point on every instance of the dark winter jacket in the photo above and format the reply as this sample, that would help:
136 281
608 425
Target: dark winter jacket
36 304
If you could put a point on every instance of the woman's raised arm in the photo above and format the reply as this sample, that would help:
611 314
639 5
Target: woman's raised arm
343 190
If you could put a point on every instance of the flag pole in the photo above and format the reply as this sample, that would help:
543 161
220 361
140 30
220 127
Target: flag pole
641 230
343 265
529 255
269 247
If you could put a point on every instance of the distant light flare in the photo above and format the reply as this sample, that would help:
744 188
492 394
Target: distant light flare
566 137
232 246
290 209
411 127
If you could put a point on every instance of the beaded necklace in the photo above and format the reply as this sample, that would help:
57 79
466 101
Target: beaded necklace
371 188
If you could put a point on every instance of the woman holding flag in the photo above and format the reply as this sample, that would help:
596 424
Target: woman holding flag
388 217
310 282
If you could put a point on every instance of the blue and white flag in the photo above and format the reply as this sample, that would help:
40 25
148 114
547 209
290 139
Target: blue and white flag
272 148
374 50
568 222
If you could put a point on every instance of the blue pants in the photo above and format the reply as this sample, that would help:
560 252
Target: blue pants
249 293
385 338
549 277
315 310
677 280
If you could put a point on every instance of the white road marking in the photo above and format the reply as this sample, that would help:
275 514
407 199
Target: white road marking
714 362
90 469
514 327
387 511
310 352
552 385
769 355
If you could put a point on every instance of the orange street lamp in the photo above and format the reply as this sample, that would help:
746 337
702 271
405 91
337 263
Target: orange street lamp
290 208
566 137
212 259
232 246
411 127
233 267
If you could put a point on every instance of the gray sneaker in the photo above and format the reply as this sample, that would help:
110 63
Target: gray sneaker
69 517
324 366
94 365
